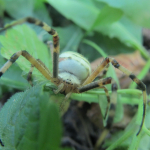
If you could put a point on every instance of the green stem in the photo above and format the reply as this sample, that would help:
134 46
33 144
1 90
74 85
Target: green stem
142 50
122 91
93 95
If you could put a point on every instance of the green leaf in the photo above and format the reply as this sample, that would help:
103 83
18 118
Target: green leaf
77 11
33 8
125 34
18 8
41 12
107 16
1 8
23 38
80 12
111 46
85 13
136 10
30 121
50 127
36 9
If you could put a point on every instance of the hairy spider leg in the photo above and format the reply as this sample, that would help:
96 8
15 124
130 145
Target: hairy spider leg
104 72
31 59
64 101
29 78
108 100
95 84
50 31
111 115
140 84
100 84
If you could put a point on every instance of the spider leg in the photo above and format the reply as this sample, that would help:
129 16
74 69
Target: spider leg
31 59
100 84
29 79
104 72
64 101
60 87
140 84
95 84
108 100
110 116
95 73
50 31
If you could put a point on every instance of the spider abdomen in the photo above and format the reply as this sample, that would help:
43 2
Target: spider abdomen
73 67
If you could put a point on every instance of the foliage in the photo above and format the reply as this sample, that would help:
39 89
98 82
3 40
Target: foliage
95 28
30 120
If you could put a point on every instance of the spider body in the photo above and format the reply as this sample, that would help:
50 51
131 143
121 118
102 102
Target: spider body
72 74
73 70
74 64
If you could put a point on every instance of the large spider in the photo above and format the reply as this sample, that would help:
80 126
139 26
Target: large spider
72 74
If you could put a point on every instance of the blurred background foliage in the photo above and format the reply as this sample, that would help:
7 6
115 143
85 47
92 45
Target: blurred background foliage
94 28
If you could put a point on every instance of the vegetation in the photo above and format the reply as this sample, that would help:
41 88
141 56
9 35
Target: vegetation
30 119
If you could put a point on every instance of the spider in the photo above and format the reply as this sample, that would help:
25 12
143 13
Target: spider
72 73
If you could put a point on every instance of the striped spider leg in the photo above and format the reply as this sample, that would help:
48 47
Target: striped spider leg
140 84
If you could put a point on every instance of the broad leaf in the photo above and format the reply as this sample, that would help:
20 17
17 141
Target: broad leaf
30 120
79 11
107 15
86 14
136 10
33 8
125 34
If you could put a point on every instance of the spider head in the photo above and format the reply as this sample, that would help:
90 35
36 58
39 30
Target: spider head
73 67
